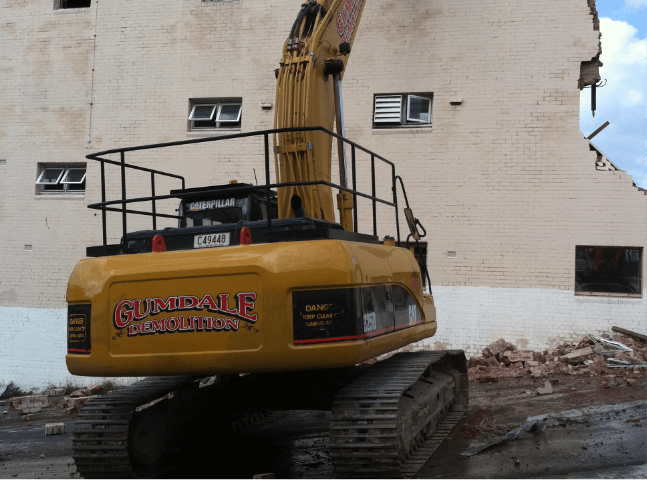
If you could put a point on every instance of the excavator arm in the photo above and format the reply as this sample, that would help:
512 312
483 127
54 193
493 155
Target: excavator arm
308 94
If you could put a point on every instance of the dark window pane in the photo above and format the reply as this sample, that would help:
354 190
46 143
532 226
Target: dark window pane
50 176
205 124
229 113
74 175
75 3
59 187
214 217
76 187
419 109
608 270
203 112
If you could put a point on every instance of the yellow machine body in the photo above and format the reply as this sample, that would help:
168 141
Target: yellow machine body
254 284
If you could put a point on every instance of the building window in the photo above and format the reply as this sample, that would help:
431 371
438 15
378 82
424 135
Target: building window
608 270
402 110
62 4
211 114
58 178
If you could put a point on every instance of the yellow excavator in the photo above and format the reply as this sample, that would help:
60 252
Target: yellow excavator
260 288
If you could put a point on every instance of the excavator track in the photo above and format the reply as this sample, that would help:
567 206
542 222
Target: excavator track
100 444
389 421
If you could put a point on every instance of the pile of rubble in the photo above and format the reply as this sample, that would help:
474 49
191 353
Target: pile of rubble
28 405
592 356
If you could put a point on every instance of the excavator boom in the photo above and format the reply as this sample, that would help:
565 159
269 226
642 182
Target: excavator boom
308 94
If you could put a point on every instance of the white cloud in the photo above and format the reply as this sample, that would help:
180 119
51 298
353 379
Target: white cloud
636 3
623 100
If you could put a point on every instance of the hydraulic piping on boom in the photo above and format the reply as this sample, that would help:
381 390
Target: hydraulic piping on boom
309 94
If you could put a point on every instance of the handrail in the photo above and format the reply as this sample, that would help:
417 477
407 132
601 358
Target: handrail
93 156
106 206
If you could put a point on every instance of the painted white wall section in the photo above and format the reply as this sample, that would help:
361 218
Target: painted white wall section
470 318
33 346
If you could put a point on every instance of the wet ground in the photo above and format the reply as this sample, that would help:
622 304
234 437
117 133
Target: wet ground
600 433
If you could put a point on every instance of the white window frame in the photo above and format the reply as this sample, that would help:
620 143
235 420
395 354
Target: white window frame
215 113
40 181
417 120
67 182
60 180
404 119
228 104
203 119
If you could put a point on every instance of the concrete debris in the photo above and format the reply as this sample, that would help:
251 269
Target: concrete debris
54 428
26 418
29 404
593 355
546 389
55 392
576 355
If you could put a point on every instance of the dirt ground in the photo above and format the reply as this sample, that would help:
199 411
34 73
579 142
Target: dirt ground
607 436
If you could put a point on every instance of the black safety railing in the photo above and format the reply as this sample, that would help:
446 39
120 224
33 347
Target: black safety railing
111 206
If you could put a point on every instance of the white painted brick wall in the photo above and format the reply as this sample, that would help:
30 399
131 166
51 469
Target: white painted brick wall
471 318
33 348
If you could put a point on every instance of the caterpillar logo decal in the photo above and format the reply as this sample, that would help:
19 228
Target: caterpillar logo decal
132 314
347 19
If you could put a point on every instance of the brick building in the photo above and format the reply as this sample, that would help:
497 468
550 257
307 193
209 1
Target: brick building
499 174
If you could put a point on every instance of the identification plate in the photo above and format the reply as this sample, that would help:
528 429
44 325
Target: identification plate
211 240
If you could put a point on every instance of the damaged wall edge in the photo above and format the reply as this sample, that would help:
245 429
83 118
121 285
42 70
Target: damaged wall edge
590 69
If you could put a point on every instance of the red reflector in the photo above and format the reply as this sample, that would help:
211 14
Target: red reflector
159 245
245 236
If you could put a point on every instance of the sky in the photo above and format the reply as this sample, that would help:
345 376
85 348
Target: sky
623 100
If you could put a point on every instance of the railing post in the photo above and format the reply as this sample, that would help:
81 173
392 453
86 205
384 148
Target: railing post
123 195
354 190
395 202
267 187
373 193
153 193
103 208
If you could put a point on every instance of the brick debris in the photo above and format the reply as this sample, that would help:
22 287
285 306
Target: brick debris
502 359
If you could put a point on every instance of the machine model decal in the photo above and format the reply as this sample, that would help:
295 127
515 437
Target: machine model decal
211 204
347 19
137 310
